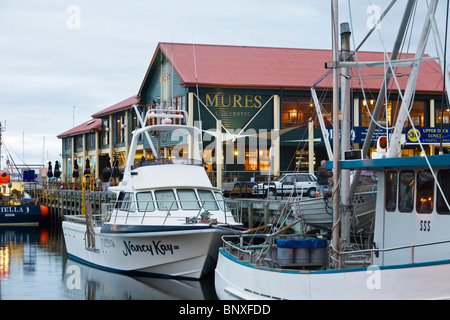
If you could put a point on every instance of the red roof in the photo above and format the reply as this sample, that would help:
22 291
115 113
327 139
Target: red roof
88 126
122 105
267 67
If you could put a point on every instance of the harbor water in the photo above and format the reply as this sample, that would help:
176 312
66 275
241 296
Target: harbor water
34 266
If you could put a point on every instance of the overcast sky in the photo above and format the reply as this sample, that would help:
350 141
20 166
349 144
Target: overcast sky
62 61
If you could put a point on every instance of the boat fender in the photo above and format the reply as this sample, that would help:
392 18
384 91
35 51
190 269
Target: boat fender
44 211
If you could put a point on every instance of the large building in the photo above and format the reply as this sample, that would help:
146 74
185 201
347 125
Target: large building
261 99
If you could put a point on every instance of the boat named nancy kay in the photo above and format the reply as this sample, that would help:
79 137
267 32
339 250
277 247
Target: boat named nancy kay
167 220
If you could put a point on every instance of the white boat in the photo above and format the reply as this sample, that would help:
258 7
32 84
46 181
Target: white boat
318 212
167 220
409 257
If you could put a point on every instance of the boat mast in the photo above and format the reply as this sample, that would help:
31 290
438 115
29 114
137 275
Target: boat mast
336 71
379 104
345 130
394 148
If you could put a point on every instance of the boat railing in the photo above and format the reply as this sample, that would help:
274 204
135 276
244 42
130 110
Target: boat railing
246 252
242 253
190 211
163 161
374 252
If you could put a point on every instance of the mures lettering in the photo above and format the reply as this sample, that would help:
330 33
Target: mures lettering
233 100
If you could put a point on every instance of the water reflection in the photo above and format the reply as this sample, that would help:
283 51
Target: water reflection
34 265
87 283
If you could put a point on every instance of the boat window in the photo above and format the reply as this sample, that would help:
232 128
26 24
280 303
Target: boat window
406 191
443 178
165 200
425 190
188 199
127 203
145 201
391 191
221 201
207 200
119 199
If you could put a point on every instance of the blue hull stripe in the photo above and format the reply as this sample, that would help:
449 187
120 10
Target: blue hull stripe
312 272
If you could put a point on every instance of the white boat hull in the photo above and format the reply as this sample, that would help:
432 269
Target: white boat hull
240 280
188 253
319 211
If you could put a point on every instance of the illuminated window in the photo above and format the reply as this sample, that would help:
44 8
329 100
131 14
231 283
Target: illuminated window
425 190
443 179
406 191
391 191
296 111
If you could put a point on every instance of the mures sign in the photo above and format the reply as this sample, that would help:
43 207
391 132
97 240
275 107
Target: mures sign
233 101
236 110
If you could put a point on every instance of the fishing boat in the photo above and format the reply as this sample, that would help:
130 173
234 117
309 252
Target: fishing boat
167 219
17 208
409 257
318 212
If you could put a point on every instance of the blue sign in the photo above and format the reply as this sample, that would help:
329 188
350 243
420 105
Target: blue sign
427 135
359 134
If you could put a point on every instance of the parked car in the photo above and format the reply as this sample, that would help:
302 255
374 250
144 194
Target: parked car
299 183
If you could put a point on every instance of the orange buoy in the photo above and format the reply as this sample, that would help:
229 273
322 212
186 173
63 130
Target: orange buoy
44 211
4 177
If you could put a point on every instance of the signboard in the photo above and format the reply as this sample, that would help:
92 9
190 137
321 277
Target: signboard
427 135
359 134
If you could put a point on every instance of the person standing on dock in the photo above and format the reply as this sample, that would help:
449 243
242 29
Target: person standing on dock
323 176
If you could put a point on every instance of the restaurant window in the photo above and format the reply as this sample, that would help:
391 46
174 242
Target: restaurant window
296 111
443 179
105 132
391 191
442 115
417 112
425 191
406 191
90 141
120 129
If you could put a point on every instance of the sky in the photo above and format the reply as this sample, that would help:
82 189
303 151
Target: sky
62 61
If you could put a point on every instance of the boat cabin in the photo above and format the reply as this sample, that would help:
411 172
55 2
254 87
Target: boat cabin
412 208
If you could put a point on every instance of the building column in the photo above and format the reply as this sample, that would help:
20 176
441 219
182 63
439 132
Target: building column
191 109
219 147
111 143
433 113
73 161
97 155
276 140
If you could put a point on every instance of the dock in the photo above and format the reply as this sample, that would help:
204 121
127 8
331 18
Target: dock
63 202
